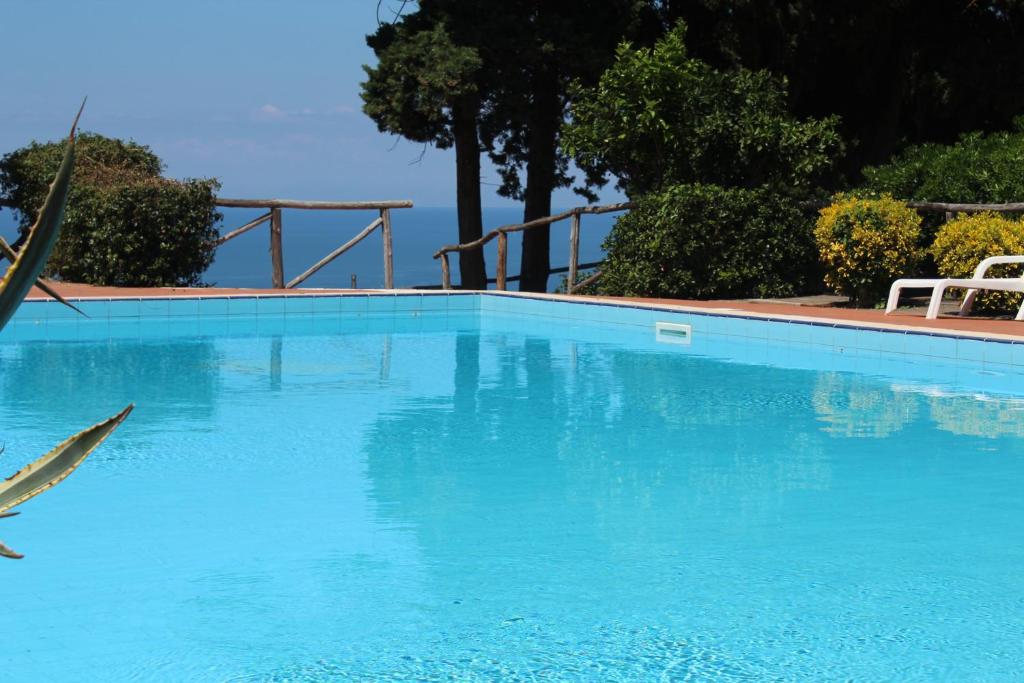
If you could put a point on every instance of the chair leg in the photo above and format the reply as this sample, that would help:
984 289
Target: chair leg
894 299
936 303
1020 313
968 304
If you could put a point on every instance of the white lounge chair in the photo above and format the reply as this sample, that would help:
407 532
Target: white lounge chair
972 285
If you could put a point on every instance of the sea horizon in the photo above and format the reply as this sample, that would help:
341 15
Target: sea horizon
418 232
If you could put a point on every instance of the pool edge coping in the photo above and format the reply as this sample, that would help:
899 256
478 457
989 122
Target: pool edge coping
818 321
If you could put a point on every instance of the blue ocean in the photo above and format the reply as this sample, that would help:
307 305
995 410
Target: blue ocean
418 233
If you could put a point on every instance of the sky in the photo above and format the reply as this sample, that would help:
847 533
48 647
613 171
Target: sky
261 94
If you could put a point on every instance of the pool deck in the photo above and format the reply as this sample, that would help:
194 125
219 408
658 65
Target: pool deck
912 319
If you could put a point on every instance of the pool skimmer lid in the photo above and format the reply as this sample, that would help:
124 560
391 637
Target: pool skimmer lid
672 333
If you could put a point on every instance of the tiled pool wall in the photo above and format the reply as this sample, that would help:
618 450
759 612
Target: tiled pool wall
819 336
830 336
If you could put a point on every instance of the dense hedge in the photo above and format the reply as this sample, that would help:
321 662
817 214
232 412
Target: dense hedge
865 244
124 224
966 241
977 169
706 242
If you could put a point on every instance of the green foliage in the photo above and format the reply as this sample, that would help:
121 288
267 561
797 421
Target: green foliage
124 224
966 241
978 168
706 241
419 74
865 244
658 117
907 71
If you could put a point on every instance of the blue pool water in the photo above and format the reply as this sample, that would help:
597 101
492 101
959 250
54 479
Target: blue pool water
456 495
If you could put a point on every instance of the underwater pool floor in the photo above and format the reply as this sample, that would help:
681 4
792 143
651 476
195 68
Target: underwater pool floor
454 496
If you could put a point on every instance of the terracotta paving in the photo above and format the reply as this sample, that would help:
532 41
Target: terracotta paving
904 318
913 318
75 290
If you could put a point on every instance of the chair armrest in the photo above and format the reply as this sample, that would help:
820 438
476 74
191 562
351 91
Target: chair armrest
983 267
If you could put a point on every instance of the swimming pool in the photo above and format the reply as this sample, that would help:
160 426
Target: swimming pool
478 487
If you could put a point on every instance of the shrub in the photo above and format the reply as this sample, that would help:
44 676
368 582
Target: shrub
964 242
706 241
976 169
124 224
865 244
581 276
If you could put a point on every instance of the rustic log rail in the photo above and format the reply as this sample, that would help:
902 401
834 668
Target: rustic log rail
274 207
273 215
501 234
951 207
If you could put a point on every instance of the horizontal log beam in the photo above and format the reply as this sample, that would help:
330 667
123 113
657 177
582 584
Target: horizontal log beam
468 245
553 271
966 208
536 223
302 204
548 220
336 253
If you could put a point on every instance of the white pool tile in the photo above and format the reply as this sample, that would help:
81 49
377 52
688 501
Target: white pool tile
177 307
213 307
242 306
355 304
298 305
270 306
153 308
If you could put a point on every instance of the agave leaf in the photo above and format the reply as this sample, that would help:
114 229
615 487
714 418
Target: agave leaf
52 468
22 274
8 252
7 552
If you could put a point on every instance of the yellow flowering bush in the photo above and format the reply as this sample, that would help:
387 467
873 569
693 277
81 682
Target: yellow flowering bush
865 244
964 242
849 408
990 418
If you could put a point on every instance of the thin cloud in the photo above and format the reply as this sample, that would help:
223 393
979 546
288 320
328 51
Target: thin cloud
274 113
270 112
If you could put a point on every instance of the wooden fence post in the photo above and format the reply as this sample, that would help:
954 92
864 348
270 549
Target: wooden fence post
389 272
574 251
502 260
446 275
276 256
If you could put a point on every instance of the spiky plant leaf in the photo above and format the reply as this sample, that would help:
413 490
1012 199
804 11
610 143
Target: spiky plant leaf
7 552
8 252
52 468
22 274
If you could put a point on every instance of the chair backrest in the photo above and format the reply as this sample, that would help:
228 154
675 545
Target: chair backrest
983 267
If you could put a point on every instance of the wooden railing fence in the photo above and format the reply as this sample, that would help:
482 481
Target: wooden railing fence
273 215
383 221
502 280
951 209
502 233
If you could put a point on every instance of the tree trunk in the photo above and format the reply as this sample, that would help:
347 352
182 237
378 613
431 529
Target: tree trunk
467 183
545 117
